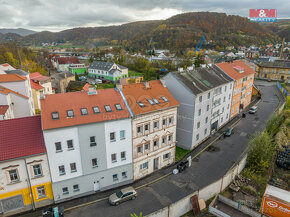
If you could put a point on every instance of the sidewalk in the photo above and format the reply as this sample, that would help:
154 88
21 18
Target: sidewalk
150 179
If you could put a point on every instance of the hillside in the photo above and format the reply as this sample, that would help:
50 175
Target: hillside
178 32
281 28
19 31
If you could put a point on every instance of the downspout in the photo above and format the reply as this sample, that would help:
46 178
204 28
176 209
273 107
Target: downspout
29 186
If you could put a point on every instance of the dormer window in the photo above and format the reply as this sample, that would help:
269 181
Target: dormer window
118 107
155 100
84 111
164 98
70 113
108 108
141 104
54 115
96 110
150 101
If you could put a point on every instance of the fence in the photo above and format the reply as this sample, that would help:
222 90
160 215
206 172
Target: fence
282 90
183 206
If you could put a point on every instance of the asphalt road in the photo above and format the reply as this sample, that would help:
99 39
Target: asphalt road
206 169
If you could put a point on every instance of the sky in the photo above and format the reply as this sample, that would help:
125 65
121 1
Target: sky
57 15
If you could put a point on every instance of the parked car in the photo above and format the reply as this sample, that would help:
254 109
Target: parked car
92 82
82 78
228 132
98 81
123 195
253 110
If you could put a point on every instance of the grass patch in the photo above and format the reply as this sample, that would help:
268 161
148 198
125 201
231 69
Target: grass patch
134 73
180 153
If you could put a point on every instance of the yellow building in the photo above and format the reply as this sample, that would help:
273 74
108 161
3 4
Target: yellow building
25 182
277 70
131 80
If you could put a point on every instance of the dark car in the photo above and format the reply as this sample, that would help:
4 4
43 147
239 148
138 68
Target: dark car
228 132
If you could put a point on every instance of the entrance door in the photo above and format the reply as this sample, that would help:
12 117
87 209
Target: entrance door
156 163
96 186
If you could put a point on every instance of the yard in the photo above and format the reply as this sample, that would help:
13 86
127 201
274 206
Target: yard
134 73
180 153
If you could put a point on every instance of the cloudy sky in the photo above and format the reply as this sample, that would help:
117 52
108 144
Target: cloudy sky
56 15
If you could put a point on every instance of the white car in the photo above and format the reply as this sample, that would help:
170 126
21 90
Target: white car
98 81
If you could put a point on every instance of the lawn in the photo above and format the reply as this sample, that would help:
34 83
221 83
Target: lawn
134 73
180 153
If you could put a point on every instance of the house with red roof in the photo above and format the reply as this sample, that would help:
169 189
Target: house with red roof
25 176
62 64
154 112
88 140
40 85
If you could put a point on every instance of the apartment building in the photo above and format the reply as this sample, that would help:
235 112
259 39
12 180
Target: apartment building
88 141
154 111
205 96
25 182
243 76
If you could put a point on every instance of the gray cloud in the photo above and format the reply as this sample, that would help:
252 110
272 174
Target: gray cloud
56 15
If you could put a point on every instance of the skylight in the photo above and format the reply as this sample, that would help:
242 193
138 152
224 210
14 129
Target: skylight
55 115
155 100
151 102
118 107
84 111
70 113
108 108
96 109
164 98
141 104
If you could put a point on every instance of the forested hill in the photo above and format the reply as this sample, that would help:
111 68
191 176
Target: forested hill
178 32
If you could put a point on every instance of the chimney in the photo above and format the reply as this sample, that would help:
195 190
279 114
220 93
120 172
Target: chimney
119 87
92 90
146 83
163 82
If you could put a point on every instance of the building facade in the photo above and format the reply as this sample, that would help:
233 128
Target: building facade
25 182
88 141
243 76
154 120
205 96
77 69
107 70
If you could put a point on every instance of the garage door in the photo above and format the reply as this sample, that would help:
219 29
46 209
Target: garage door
11 203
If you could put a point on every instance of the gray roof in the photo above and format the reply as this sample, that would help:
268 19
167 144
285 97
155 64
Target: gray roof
201 80
276 63
16 71
121 67
101 65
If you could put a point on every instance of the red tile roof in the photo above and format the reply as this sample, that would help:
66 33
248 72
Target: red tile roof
63 102
35 85
11 77
38 77
68 60
6 91
139 93
21 137
86 87
3 109
229 68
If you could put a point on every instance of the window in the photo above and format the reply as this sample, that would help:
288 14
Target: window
41 192
147 147
229 96
122 134
118 107
150 101
147 127
13 175
84 111
54 115
155 100
108 108
114 158
200 99
96 109
170 139
70 145
65 190
144 166
224 98
230 86
112 137
206 119
123 155
140 149
58 147
222 119
197 137
164 98
115 177
61 170
164 122
94 162
170 120
156 124
198 125
227 116
208 95
166 156
156 143
228 106
93 141
164 140
37 170
205 131
207 107
124 175
70 113
140 130
73 167
76 188
199 112
141 104
225 88
223 109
